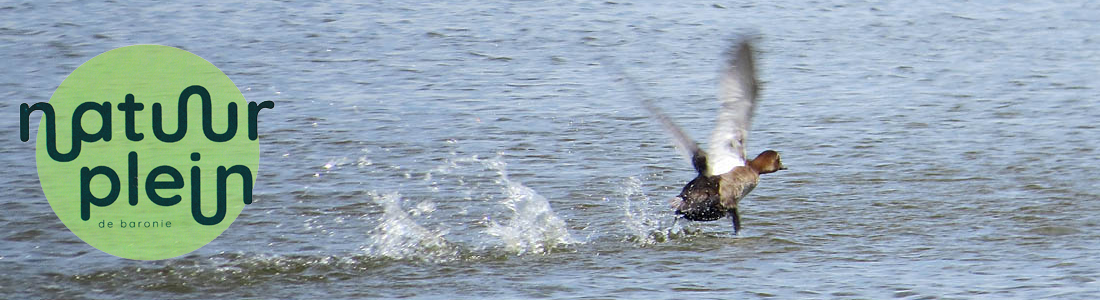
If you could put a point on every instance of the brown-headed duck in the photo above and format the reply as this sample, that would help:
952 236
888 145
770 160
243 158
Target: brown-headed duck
725 176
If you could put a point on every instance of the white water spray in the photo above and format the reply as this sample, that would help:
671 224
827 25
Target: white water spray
400 237
532 227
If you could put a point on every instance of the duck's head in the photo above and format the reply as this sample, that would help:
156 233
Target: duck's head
767 162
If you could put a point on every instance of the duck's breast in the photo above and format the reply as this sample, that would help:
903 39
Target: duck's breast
736 184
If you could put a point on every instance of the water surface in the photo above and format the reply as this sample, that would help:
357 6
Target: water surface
439 150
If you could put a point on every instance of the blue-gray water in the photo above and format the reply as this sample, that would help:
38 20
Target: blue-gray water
429 149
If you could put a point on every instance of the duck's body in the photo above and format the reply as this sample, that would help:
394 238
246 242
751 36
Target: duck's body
709 198
725 176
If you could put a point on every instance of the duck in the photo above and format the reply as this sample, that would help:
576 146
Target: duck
723 174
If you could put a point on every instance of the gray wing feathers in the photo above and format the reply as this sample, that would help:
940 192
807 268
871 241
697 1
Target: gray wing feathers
737 90
685 144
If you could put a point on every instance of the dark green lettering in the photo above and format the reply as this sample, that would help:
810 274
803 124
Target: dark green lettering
181 119
129 107
104 132
132 169
152 185
253 118
208 116
246 181
196 202
86 197
51 130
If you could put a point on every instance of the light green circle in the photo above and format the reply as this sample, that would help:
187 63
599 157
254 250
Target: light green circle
152 74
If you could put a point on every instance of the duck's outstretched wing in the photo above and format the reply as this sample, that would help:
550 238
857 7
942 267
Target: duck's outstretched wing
685 144
737 92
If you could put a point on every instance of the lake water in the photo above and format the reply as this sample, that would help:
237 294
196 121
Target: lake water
435 149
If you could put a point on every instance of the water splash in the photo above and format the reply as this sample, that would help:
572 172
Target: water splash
644 219
398 236
517 220
532 227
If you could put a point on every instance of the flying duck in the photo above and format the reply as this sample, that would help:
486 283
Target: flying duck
725 176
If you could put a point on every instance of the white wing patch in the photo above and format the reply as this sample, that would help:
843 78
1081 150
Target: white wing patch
737 92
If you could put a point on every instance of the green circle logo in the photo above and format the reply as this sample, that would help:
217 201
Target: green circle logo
147 152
